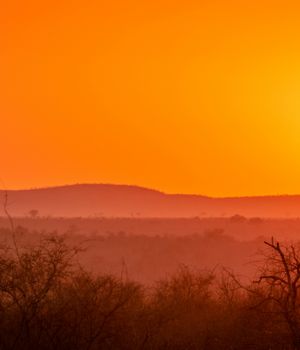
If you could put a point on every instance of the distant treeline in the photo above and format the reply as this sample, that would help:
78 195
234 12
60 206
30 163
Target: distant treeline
49 301
237 226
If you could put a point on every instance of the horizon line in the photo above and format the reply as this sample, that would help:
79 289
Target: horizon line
145 188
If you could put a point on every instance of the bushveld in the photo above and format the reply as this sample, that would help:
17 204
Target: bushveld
48 300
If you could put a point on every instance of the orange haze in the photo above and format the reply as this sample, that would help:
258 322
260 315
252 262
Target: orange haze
184 96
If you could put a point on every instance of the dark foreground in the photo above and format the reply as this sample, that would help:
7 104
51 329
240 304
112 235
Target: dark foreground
49 301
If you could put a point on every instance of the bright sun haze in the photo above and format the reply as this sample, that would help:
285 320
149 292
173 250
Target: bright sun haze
183 96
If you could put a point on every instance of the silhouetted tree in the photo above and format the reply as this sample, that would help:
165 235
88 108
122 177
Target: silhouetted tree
280 280
33 213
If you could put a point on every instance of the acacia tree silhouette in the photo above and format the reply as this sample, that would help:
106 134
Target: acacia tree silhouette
280 278
33 213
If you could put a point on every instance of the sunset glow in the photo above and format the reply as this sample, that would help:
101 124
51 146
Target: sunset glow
182 96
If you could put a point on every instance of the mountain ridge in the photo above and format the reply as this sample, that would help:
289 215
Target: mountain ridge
114 200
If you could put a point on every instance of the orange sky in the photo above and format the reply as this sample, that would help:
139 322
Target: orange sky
182 96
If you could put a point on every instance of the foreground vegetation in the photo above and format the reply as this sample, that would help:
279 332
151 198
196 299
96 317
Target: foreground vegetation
48 301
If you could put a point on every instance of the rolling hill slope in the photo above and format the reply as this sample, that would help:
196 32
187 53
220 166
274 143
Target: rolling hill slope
128 201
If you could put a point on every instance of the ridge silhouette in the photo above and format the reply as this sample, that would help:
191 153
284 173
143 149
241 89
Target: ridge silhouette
134 201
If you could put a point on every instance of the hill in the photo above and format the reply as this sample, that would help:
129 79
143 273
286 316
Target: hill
132 201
